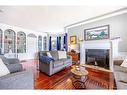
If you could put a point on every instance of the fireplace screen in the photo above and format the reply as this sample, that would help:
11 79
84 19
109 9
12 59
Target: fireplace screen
98 57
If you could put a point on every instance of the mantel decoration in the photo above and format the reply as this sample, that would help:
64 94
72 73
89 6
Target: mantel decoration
97 33
73 40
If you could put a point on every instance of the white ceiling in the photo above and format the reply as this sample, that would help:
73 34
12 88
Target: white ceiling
51 19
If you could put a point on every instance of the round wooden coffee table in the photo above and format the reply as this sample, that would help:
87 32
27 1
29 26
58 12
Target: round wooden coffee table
79 76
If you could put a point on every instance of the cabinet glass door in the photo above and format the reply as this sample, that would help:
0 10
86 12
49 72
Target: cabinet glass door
54 43
39 43
21 42
9 41
45 43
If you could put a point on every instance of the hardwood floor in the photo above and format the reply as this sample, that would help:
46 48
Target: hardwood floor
60 80
63 79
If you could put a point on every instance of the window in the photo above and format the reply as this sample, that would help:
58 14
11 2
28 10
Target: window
9 41
54 43
39 43
21 42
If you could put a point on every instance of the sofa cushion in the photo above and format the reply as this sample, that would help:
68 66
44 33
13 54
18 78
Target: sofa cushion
121 85
4 59
13 61
54 55
65 61
62 54
15 67
42 53
49 54
118 62
57 63
120 68
120 76
20 80
3 69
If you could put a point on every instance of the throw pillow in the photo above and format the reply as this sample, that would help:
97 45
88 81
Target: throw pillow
49 54
62 54
124 64
46 59
3 69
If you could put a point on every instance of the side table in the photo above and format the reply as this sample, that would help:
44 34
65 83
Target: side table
75 56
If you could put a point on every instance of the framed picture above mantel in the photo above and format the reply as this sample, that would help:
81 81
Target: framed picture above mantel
97 33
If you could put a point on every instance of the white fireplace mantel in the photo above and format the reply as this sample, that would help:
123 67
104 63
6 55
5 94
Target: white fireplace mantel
112 45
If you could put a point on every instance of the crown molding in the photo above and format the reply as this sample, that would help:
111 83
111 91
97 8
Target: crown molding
97 18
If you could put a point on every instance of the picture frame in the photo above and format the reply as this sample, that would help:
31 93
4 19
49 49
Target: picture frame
97 33
73 40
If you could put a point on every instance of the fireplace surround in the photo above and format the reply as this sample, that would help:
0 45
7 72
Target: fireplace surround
97 57
110 46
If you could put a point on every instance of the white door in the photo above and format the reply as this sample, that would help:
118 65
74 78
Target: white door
31 47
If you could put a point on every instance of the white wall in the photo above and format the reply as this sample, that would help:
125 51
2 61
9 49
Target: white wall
21 56
118 27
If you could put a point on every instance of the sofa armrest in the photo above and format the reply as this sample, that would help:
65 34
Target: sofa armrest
13 60
118 62
20 80
69 57
46 59
14 67
120 69
46 68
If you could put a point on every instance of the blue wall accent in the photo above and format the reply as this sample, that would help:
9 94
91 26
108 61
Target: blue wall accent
65 42
66 47
57 43
50 43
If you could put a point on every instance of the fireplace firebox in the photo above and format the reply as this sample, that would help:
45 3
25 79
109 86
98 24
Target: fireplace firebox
97 57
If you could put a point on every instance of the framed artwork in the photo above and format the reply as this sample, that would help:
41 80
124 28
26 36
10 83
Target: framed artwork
97 33
73 40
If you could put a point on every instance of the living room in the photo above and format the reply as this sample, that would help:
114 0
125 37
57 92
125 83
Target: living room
63 47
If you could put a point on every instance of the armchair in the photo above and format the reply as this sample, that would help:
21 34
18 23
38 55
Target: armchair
17 79
120 75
